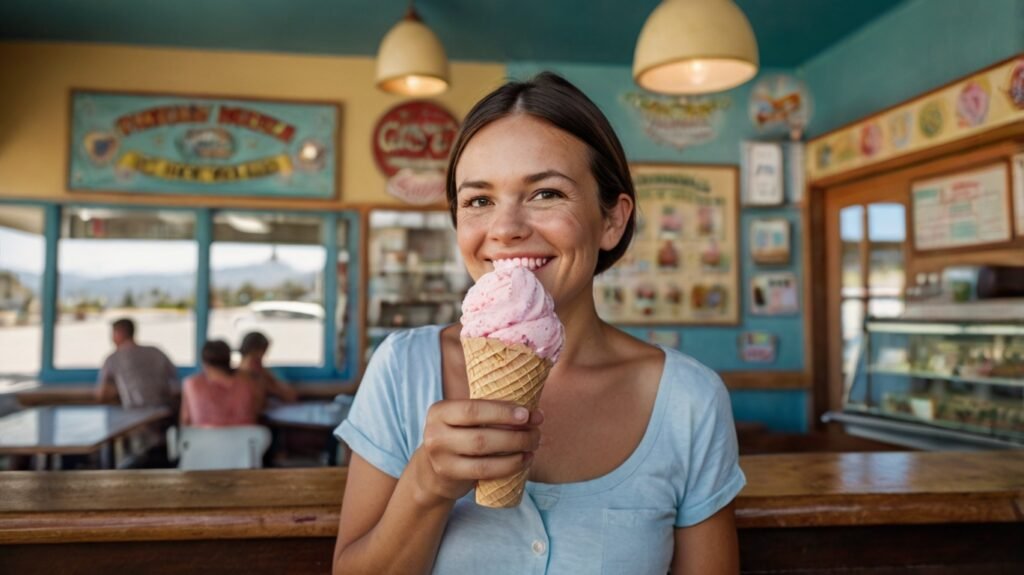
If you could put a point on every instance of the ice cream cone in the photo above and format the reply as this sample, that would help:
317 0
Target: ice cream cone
508 373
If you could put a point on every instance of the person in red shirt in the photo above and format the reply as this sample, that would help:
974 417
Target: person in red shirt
218 396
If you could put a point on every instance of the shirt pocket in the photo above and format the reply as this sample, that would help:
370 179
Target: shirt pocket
637 541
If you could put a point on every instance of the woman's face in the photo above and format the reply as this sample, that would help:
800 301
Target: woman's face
525 190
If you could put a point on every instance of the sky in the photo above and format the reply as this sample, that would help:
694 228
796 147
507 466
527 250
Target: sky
24 252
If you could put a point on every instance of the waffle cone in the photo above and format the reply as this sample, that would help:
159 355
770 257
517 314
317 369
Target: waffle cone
508 373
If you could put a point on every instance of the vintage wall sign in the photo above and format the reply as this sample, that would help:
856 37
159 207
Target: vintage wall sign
411 143
174 144
780 104
678 121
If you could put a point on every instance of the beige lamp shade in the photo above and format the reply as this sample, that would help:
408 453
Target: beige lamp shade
695 47
411 60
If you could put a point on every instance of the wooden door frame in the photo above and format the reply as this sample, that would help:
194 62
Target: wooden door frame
886 181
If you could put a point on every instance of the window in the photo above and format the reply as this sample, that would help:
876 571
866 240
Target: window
876 291
267 274
22 260
139 264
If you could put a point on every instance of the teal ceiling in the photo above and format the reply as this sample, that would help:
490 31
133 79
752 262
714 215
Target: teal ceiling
600 31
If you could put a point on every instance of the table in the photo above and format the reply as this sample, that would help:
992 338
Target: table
817 513
32 394
314 415
312 420
72 429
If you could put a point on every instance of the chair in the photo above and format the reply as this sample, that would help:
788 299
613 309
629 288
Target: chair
235 447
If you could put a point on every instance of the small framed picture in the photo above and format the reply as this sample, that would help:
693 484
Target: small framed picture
758 346
774 294
764 182
769 241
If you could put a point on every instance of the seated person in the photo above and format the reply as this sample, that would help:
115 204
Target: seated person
218 396
254 347
141 375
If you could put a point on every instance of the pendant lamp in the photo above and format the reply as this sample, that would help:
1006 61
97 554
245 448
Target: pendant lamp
695 47
411 60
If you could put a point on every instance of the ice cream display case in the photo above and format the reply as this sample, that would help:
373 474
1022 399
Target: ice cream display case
415 274
938 384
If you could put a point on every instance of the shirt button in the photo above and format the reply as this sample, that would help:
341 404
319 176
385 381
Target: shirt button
539 547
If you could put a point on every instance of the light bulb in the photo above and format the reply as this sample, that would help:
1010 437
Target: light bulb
413 82
697 71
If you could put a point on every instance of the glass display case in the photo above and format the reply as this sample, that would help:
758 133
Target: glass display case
938 384
415 273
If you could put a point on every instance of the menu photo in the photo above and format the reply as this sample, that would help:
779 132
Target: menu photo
682 266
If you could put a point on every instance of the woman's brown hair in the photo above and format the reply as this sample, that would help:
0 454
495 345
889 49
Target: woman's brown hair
553 99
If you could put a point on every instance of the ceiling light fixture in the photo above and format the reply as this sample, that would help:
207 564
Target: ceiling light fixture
411 60
695 47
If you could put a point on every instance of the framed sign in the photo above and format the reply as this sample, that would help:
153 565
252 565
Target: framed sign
774 294
411 142
683 264
967 209
201 145
769 241
757 346
764 182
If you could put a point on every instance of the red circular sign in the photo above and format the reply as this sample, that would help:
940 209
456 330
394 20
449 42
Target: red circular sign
415 136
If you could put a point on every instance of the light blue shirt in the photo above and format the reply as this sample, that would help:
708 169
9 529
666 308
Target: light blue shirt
683 471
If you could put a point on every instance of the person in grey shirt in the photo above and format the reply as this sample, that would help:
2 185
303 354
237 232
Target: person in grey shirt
141 375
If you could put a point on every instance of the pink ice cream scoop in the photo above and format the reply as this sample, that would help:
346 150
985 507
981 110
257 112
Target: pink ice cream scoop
509 304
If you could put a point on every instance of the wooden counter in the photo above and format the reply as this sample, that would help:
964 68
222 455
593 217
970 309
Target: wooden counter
807 513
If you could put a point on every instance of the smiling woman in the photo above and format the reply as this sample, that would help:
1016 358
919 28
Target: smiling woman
638 463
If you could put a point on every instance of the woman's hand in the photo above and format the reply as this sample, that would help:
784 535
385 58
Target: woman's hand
467 440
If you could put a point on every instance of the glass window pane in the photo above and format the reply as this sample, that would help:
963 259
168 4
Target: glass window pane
851 232
341 310
886 234
22 260
266 274
139 264
852 318
885 307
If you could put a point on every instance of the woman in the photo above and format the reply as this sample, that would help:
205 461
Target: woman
217 396
254 347
635 466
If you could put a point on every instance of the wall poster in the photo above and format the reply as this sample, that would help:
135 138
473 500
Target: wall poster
182 144
683 264
966 209
769 241
774 294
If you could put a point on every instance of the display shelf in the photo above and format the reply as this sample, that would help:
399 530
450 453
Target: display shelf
914 434
955 378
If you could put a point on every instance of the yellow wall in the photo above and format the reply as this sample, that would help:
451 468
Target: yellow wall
35 79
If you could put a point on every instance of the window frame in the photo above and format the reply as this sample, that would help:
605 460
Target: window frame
53 213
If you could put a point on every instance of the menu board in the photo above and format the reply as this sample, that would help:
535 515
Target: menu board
966 209
682 267
1018 192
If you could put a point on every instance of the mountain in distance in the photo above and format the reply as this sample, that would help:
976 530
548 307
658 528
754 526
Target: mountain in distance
176 285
